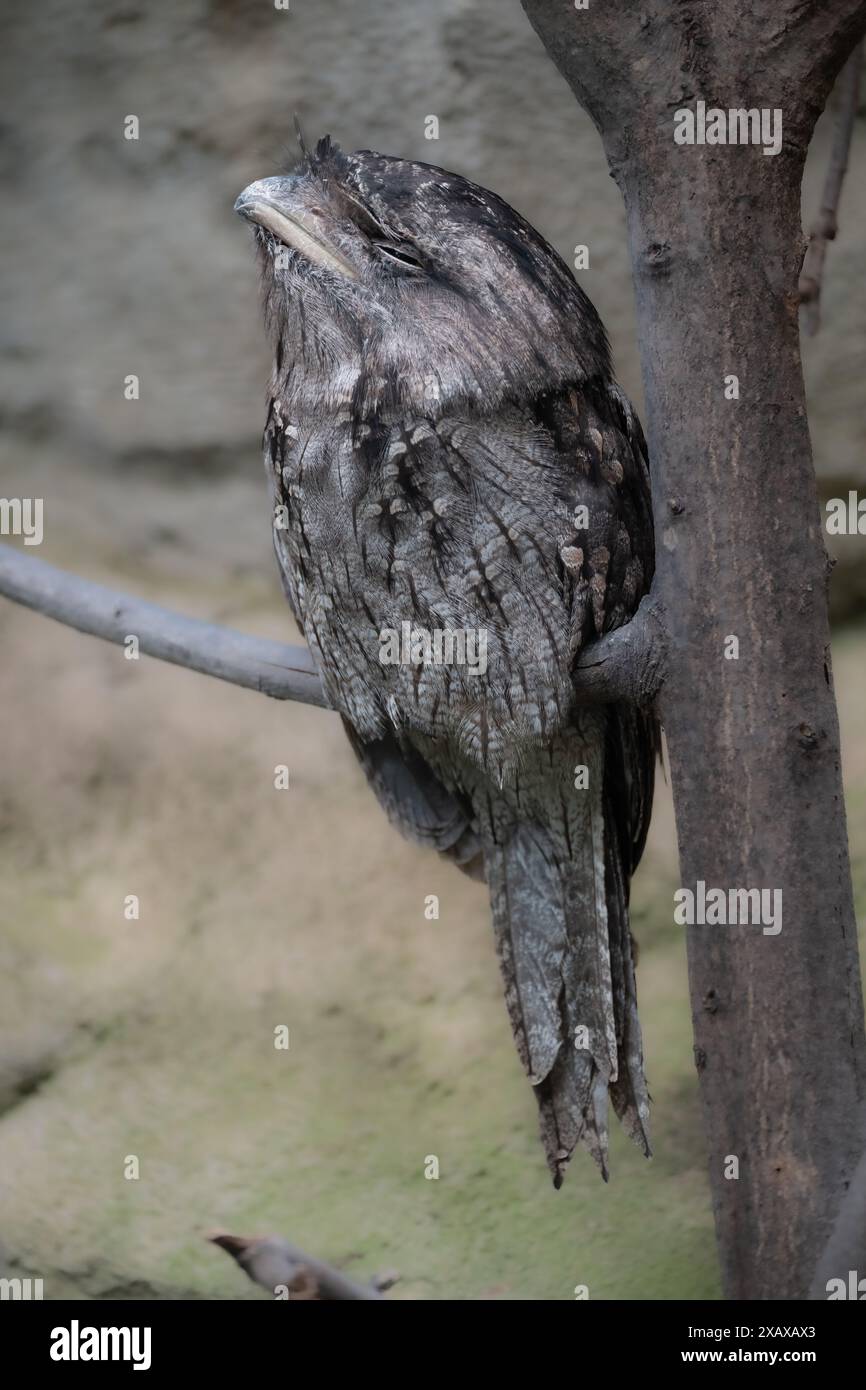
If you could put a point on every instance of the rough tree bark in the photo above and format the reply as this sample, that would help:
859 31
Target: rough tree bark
716 247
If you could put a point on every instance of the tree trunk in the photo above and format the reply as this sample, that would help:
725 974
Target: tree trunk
716 248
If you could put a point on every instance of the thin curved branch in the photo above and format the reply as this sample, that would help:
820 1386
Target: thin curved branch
284 672
826 224
625 665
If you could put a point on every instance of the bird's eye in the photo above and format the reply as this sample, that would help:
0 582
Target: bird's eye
402 254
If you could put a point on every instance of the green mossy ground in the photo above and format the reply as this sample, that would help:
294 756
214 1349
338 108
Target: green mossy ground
258 908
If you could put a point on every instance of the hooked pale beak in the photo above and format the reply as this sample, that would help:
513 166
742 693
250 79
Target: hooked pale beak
269 204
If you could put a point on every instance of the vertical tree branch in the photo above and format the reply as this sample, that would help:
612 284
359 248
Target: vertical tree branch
747 705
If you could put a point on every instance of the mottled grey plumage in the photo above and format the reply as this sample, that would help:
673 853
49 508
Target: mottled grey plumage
442 405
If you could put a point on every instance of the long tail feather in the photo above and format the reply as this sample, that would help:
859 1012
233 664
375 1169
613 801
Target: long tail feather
558 872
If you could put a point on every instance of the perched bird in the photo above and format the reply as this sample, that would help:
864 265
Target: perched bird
449 453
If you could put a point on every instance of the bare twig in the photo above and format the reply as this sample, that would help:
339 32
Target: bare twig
826 224
286 673
624 665
286 1272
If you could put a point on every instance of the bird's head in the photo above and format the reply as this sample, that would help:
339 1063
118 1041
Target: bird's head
418 285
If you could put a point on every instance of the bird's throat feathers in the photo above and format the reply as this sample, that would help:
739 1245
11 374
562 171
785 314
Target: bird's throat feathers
390 372
453 301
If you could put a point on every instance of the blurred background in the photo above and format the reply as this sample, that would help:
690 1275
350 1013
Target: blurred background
259 907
